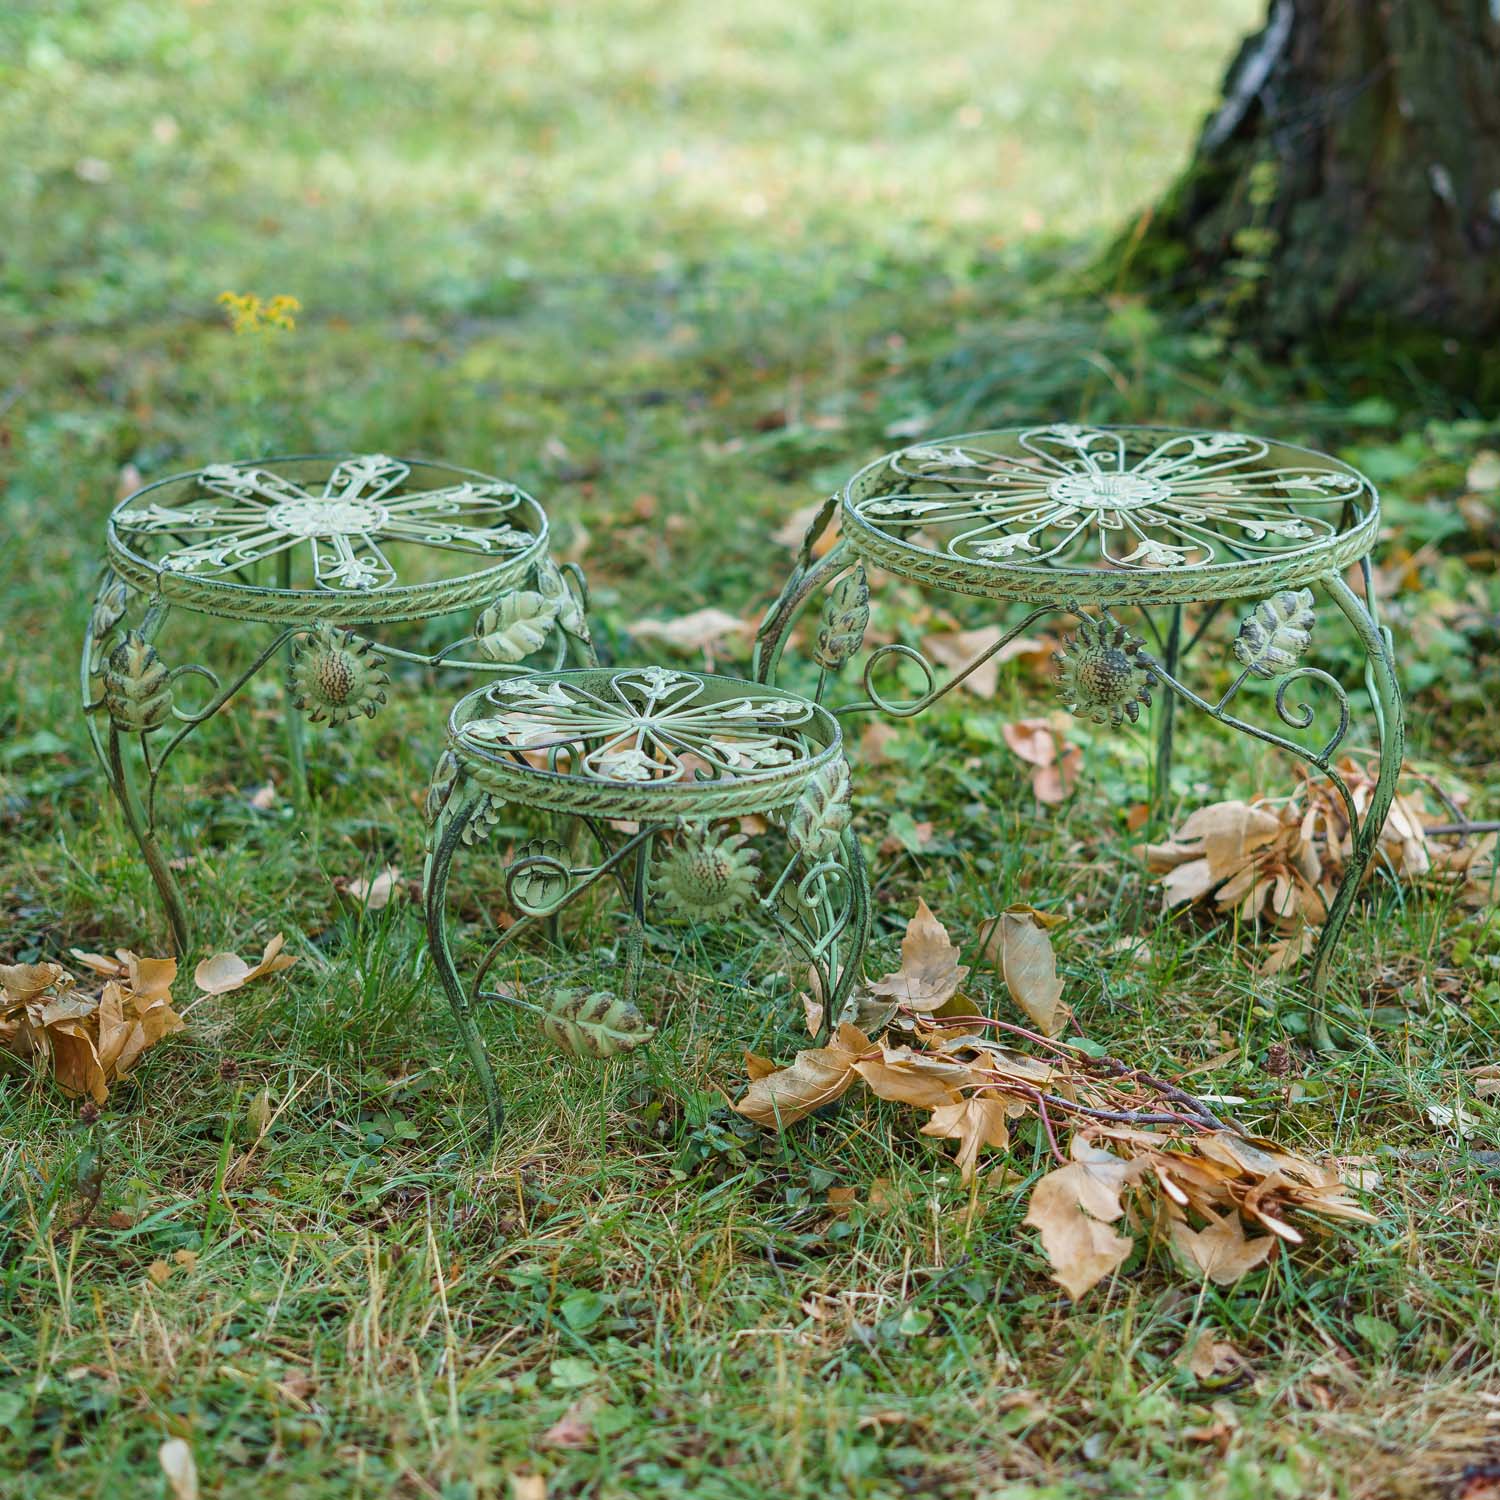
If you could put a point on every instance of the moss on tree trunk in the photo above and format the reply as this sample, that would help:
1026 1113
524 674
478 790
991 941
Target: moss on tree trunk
1349 182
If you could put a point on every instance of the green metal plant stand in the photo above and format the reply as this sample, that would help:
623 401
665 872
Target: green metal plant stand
1090 521
679 759
314 553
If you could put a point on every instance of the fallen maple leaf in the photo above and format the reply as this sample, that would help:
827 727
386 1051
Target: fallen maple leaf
973 1122
375 893
575 1428
930 973
818 1077
227 971
958 648
176 1460
1205 1355
1016 942
702 630
1054 761
1222 1251
89 1040
1073 1208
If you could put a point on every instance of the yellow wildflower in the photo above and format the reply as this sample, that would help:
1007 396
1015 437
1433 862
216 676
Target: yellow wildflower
248 313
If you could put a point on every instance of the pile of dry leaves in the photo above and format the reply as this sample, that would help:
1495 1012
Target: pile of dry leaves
1280 859
1142 1155
90 1036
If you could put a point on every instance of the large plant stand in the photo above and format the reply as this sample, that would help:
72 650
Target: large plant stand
315 555
1166 527
703 797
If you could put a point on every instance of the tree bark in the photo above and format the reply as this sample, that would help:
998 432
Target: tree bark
1349 181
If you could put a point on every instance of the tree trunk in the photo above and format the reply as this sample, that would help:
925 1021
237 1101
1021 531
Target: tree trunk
1349 182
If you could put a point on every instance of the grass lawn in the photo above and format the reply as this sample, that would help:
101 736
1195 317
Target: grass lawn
678 268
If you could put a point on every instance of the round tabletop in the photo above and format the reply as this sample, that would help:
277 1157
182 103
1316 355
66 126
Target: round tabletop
1144 515
644 742
352 539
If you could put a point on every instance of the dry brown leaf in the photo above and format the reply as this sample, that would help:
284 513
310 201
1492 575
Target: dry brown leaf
1287 952
973 1122
918 1078
703 630
1073 1207
956 649
575 1428
89 1040
1205 1356
374 894
877 735
812 1013
757 1066
22 982
930 972
1054 762
1222 1251
176 1460
1016 942
818 1077
227 971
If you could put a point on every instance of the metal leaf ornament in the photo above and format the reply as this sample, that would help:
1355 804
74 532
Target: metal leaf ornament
1275 633
515 625
595 1024
137 685
487 813
544 880
444 777
823 811
554 588
109 609
845 616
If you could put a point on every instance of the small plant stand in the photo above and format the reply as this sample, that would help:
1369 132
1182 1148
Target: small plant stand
1157 522
705 796
314 553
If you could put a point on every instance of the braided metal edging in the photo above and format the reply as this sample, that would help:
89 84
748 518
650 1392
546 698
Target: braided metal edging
660 802
1109 586
413 601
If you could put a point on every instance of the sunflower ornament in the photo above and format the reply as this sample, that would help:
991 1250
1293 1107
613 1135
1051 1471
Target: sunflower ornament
708 873
335 675
1102 673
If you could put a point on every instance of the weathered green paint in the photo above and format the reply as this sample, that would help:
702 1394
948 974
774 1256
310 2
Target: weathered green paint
300 547
680 755
1085 521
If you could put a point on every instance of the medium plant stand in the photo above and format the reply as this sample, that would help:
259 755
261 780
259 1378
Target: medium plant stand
1168 526
315 554
696 795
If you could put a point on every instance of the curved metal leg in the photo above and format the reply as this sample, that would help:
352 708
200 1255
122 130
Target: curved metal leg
1385 694
126 684
140 706
448 836
1165 710
806 579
